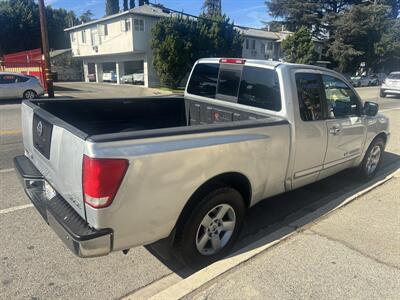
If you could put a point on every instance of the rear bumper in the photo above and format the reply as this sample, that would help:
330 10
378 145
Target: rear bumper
81 239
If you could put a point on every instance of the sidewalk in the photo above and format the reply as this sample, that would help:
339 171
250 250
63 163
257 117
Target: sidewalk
351 254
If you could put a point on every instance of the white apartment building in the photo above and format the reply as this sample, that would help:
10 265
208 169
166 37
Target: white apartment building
120 44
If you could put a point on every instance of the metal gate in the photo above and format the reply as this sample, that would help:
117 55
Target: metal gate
29 62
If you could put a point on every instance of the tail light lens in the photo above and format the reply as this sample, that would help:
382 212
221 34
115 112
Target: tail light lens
101 180
237 61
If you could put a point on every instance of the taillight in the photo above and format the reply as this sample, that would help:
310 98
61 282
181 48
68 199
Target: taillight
101 180
238 61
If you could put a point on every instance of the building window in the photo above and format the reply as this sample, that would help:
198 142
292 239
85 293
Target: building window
125 25
253 45
105 30
139 24
270 46
247 43
83 36
72 35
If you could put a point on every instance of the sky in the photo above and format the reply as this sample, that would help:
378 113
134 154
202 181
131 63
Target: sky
249 13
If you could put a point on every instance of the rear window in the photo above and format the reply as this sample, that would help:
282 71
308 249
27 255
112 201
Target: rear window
253 86
203 81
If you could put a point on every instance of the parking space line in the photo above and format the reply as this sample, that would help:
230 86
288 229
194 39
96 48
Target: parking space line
6 170
15 208
10 132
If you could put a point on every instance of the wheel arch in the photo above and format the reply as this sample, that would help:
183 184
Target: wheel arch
234 180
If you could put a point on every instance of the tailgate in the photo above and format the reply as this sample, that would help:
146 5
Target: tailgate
56 152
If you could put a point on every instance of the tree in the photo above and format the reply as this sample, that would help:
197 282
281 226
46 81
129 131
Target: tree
316 15
143 2
125 5
112 7
212 7
131 4
179 42
19 23
359 34
299 47
86 16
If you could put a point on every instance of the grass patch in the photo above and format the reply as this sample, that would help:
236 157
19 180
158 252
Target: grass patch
179 90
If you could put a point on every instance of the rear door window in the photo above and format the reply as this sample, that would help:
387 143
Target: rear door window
259 87
228 82
204 79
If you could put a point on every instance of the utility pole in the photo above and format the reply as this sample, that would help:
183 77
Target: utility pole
45 47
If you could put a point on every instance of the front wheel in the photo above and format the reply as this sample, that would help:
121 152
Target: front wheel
372 159
211 229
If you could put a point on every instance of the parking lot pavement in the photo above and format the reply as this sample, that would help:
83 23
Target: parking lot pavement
35 264
102 90
351 254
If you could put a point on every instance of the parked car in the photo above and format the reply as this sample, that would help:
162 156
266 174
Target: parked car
92 77
364 80
391 85
19 86
135 78
110 77
109 175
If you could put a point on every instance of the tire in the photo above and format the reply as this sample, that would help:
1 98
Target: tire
29 95
372 159
382 94
196 241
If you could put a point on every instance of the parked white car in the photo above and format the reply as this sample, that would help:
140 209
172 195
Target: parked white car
18 86
391 85
133 78
110 77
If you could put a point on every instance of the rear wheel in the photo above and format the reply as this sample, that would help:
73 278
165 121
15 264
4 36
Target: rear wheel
29 94
211 229
372 159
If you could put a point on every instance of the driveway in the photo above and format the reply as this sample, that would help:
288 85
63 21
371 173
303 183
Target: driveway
102 90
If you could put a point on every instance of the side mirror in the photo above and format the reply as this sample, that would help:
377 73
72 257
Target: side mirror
371 108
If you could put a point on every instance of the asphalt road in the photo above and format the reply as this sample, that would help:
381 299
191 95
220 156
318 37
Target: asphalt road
35 264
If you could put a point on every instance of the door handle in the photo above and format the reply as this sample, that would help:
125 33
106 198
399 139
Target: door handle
334 130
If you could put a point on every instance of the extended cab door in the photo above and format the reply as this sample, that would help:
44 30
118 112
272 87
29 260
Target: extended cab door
310 131
345 125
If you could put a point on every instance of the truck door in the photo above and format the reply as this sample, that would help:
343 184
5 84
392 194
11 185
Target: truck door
310 130
345 125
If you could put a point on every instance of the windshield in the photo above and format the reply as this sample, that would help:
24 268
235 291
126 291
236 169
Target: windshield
394 76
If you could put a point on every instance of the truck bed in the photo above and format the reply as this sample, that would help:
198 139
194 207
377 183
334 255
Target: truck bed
119 119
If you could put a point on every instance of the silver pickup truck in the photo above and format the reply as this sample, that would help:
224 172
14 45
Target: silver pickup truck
113 174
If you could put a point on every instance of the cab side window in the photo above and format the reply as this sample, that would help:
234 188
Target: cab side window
309 95
342 101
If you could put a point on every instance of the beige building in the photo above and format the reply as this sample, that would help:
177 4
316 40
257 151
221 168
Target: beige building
120 44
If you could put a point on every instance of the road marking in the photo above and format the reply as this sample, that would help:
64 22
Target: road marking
15 208
202 277
10 132
6 170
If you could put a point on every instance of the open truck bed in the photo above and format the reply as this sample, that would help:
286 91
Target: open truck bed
121 119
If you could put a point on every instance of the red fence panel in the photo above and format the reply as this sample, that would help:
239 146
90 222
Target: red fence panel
29 62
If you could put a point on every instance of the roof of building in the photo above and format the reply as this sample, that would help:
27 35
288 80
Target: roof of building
54 53
258 33
144 10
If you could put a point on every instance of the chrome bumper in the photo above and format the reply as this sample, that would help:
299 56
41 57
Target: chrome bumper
81 239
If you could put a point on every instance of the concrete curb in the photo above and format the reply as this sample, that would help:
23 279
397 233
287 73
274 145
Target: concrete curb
198 279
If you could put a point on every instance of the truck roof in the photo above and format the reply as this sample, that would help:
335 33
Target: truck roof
267 63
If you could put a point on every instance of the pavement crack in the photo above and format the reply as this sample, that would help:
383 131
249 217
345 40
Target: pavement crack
347 245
